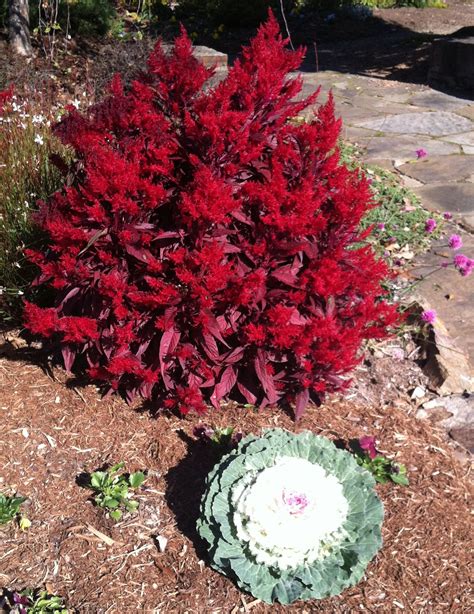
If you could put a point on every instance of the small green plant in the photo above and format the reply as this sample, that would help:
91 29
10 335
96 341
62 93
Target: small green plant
33 601
9 507
383 469
112 488
219 438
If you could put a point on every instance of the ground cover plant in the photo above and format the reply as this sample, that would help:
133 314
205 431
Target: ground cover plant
206 246
9 507
399 220
290 517
112 489
32 601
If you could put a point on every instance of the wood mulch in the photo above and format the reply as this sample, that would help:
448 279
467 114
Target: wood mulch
52 432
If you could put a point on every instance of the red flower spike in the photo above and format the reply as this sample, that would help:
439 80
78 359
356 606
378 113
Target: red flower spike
216 244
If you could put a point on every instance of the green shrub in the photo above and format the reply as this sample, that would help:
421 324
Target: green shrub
85 17
326 5
229 12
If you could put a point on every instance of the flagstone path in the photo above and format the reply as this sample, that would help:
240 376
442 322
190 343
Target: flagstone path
390 120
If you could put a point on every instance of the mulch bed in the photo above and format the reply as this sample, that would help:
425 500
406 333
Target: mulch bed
53 432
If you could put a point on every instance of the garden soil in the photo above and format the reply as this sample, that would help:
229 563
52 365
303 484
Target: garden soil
54 429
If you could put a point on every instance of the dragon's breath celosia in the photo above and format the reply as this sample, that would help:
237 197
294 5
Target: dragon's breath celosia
203 244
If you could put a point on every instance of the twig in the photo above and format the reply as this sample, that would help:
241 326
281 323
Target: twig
105 538
286 24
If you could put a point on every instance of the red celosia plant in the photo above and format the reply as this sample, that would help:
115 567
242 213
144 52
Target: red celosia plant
205 245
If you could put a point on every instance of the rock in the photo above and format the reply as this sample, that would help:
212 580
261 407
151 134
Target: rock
435 123
418 393
439 169
464 436
454 414
452 60
447 366
457 198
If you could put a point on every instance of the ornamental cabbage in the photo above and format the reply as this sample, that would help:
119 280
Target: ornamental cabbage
290 516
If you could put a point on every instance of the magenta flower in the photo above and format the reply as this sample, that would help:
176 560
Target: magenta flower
463 264
295 502
367 444
455 242
430 225
381 226
429 316
421 153
203 431
448 216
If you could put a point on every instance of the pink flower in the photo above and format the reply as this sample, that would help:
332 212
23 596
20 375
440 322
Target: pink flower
430 224
448 216
455 242
381 226
429 316
295 502
367 444
463 264
203 431
421 153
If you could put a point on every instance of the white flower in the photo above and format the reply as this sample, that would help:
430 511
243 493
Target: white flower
39 139
38 119
291 513
76 103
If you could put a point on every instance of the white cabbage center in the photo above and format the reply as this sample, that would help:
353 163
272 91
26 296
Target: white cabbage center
289 514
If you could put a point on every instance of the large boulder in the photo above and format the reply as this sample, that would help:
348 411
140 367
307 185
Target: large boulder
452 60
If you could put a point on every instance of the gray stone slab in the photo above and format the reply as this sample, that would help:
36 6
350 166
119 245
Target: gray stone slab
439 123
457 198
353 133
403 148
440 169
356 115
467 150
467 111
437 101
467 138
450 294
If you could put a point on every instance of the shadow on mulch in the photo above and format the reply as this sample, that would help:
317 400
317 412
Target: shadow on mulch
185 484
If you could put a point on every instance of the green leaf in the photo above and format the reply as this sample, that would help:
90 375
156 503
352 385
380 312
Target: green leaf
116 467
131 506
116 515
400 478
136 479
110 502
97 479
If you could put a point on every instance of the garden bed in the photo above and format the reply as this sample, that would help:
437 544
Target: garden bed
54 432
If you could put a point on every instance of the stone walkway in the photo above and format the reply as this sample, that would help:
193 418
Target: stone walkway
390 121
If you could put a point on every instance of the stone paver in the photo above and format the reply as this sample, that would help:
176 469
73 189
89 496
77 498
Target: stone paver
436 101
404 148
433 123
437 170
467 138
456 198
